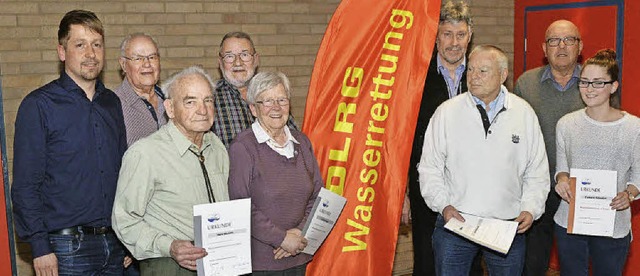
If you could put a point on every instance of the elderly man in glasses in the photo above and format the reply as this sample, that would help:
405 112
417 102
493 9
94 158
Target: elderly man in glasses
238 61
552 91
483 155
140 96
168 172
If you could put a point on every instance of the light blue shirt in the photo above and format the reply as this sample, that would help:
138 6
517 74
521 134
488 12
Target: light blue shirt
494 106
453 85
546 75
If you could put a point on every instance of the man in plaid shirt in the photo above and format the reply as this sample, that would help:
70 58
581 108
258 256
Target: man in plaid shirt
238 61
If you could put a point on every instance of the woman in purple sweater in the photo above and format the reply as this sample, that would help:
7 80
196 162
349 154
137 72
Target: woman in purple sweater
275 167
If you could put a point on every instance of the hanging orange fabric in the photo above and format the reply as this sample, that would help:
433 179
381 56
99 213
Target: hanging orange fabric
360 115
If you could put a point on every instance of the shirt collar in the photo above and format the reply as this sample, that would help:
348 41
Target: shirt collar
224 85
546 74
443 70
68 84
159 92
182 143
499 101
131 97
263 137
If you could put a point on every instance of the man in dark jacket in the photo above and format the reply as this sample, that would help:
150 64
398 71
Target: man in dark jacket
446 78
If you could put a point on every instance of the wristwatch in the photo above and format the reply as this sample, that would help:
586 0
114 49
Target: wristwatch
631 196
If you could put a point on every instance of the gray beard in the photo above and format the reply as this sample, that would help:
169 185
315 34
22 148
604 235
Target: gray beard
237 83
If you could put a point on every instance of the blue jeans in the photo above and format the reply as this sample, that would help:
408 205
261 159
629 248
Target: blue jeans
607 255
88 254
133 269
454 254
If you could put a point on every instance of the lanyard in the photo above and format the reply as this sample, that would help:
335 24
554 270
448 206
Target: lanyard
207 182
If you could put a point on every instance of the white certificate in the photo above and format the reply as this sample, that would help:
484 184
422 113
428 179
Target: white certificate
322 218
224 230
495 234
589 211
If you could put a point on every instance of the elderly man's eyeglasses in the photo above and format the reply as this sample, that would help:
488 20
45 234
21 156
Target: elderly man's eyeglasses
272 102
230 58
594 84
568 41
141 59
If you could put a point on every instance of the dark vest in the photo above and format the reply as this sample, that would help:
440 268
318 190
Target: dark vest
435 93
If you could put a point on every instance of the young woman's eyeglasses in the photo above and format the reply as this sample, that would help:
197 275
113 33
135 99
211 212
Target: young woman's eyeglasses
594 84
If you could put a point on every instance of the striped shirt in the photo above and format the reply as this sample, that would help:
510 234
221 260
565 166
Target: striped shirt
139 119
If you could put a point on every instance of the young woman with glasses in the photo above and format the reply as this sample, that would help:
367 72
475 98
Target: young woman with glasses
599 137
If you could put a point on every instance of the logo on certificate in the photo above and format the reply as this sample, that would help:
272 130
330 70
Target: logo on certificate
213 218
325 203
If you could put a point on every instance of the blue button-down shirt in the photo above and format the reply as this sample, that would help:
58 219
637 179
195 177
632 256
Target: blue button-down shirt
546 75
67 154
494 106
453 85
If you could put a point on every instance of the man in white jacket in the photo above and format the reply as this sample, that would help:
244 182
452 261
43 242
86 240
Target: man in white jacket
483 155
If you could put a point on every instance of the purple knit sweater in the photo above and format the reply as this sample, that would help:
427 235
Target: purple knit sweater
282 193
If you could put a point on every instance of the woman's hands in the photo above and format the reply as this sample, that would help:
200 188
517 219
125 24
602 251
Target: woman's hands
562 187
620 202
292 244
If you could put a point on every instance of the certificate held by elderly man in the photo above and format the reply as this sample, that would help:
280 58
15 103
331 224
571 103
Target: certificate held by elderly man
224 230
589 210
495 234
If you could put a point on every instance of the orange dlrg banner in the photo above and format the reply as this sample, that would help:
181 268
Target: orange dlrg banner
360 115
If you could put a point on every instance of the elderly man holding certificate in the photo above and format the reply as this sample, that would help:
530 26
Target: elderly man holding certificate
592 143
483 155
168 172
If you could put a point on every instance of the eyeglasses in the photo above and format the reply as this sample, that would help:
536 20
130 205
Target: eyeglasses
272 102
141 59
230 58
594 84
568 41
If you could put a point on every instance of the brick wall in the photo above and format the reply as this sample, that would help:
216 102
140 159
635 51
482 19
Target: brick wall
493 24
287 34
